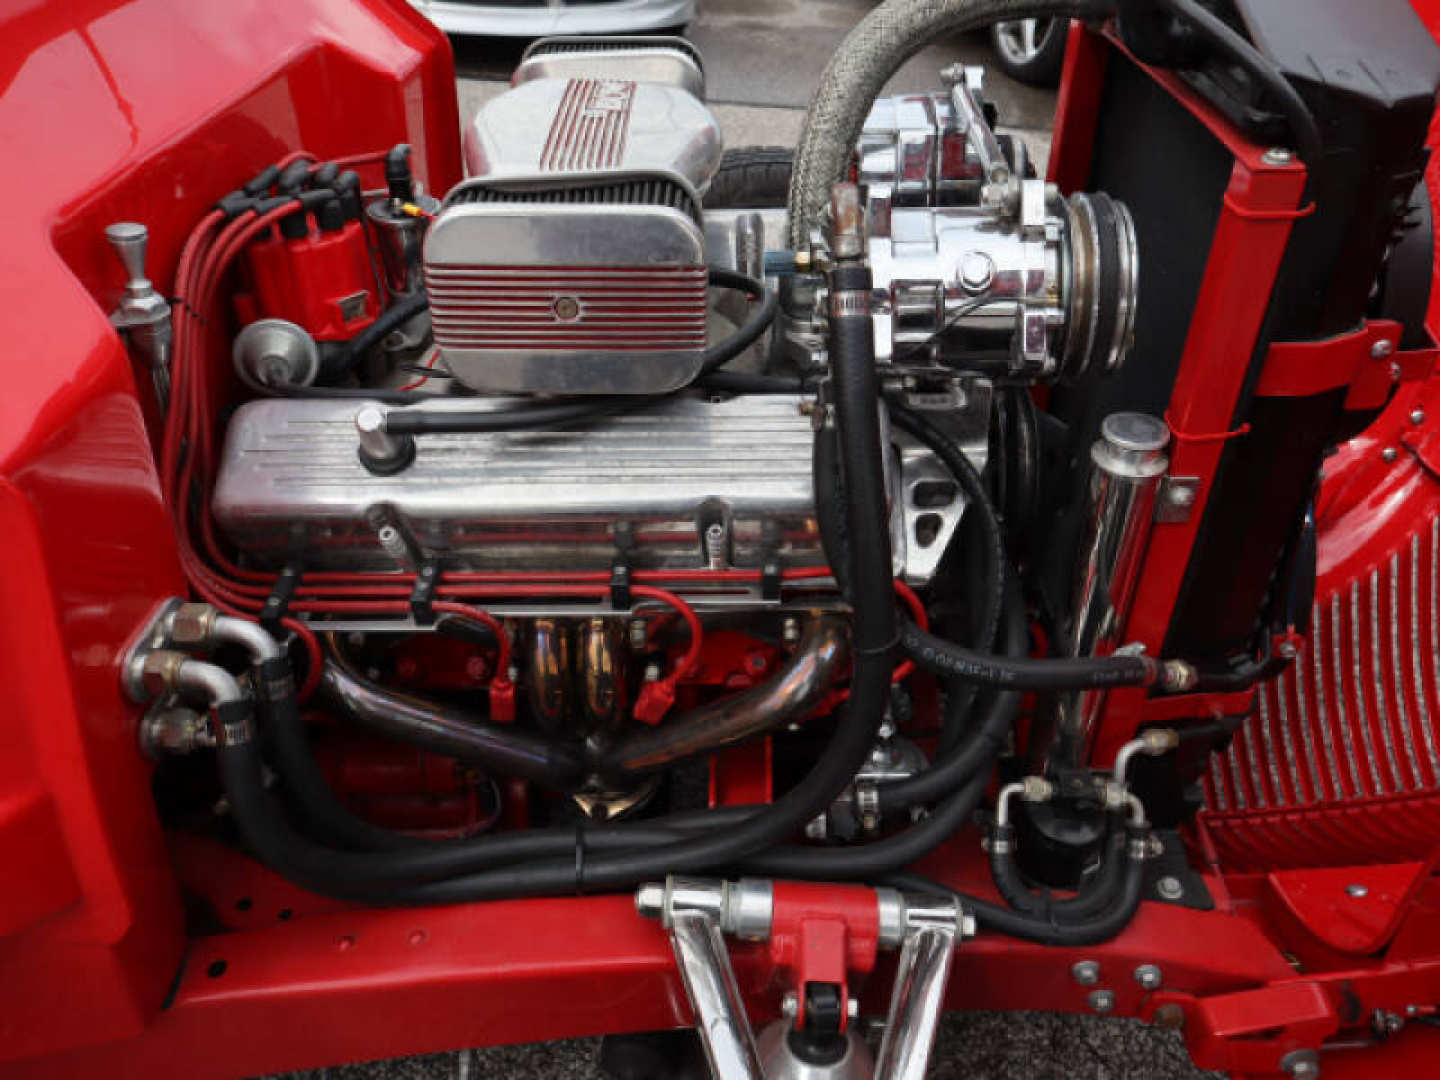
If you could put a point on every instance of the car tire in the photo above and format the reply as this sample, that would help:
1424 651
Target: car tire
1034 60
751 178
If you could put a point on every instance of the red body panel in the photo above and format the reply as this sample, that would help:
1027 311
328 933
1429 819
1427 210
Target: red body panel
142 111
164 107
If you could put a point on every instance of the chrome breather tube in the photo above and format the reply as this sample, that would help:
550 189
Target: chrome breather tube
1127 464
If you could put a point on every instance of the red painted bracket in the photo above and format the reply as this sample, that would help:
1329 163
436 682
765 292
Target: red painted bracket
1250 1032
1366 360
1354 910
822 933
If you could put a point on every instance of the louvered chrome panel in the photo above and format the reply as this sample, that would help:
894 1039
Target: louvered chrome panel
1339 762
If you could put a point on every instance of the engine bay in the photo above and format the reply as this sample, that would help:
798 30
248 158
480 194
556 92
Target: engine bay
934 557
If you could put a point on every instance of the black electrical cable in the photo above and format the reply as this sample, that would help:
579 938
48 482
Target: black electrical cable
1308 143
1080 673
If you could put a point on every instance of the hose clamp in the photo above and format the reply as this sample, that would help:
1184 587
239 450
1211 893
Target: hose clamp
850 304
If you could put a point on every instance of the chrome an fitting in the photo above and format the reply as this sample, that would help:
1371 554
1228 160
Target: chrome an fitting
1152 743
1032 789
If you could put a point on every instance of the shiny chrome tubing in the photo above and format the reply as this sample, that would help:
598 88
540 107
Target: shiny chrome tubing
251 637
417 722
217 685
798 687
715 1000
1127 463
550 674
919 993
602 677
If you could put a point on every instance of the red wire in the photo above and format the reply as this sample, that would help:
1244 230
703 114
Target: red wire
429 365
188 464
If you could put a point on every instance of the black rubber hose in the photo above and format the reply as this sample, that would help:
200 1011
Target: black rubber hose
529 417
1219 34
978 495
832 505
995 564
749 333
397 314
1081 673
1094 895
963 779
979 748
739 382
301 774
1092 931
357 875
391 877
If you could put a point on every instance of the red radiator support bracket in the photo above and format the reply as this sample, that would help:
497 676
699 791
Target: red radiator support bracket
1366 360
1354 910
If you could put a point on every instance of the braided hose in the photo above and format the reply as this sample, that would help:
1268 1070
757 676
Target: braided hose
867 59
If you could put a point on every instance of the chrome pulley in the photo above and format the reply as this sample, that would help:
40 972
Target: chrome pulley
1101 285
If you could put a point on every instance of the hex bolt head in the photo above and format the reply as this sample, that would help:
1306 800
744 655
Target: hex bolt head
159 670
1170 1015
1301 1064
639 634
1148 976
1277 155
650 900
1382 348
1417 416
1101 1001
790 1004
191 624
1357 890
1180 496
1170 888
1389 454
1086 972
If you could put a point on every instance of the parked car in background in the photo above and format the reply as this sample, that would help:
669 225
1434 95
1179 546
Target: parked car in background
1031 50
537 18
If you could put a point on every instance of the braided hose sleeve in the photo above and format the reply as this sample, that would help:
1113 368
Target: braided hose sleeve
865 61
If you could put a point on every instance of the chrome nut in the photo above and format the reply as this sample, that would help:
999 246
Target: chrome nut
160 670
192 624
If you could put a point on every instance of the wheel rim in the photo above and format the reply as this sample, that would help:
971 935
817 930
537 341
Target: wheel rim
1021 40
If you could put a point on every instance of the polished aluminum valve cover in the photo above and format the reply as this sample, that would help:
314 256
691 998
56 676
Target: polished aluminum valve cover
646 484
